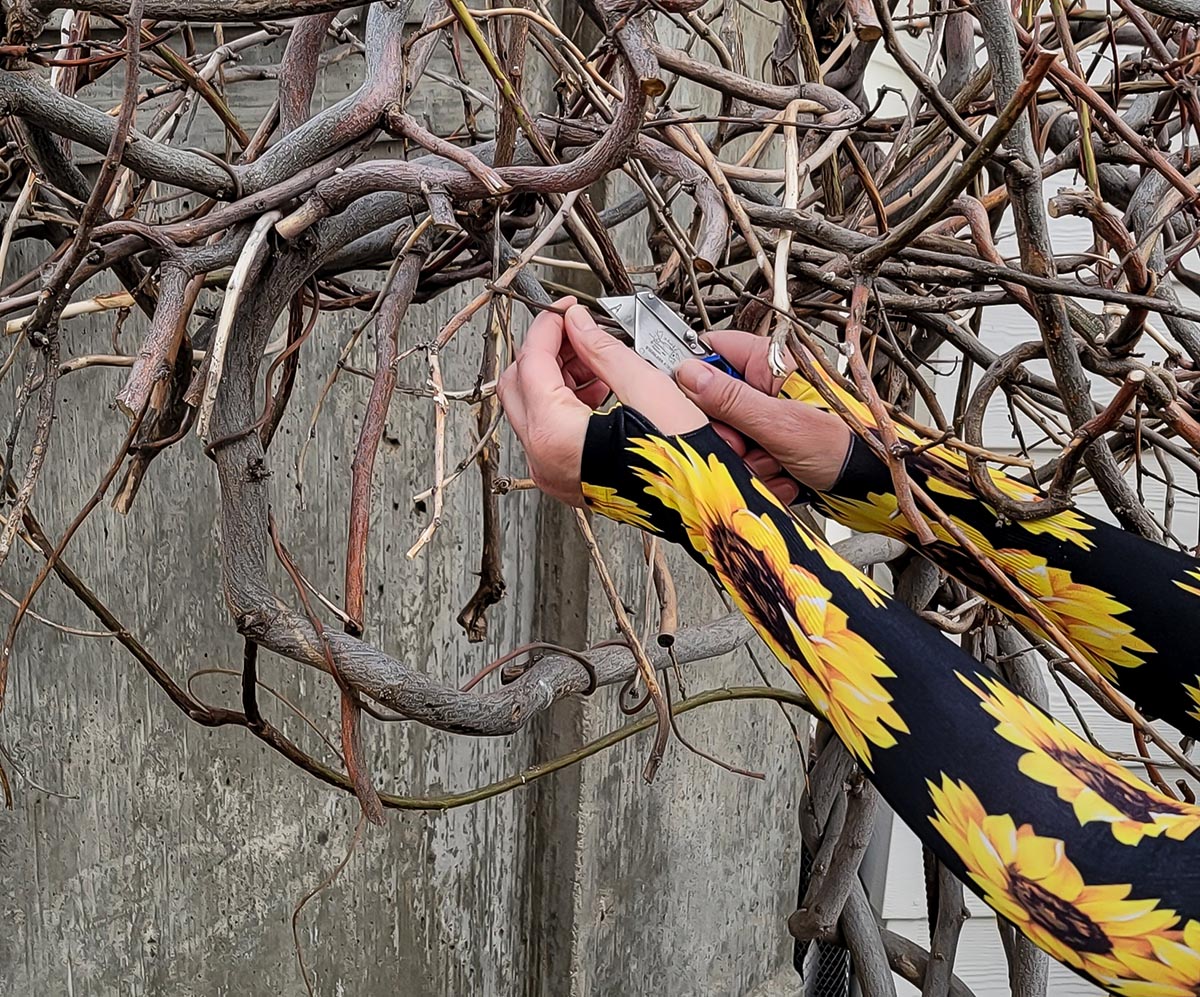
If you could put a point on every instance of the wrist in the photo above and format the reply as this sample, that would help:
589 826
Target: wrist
826 449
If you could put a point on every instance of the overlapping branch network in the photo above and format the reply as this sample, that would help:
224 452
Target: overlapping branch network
781 201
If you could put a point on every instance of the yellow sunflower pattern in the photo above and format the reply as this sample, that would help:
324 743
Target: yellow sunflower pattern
1109 910
1132 946
1087 614
1176 957
834 561
608 503
1193 691
1194 576
790 608
1068 525
1098 788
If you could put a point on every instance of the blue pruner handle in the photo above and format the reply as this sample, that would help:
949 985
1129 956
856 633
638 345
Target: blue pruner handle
723 365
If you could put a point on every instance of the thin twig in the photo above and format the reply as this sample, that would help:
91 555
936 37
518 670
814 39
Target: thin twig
662 709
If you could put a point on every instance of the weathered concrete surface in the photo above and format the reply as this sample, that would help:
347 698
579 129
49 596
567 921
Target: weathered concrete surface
186 849
174 861
680 888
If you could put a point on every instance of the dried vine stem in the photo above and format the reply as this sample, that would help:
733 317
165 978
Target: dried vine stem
662 708
893 449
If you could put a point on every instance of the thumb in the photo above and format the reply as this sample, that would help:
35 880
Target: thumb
632 379
756 415
627 375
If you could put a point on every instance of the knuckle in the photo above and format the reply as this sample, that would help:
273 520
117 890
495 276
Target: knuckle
725 393
760 369
605 348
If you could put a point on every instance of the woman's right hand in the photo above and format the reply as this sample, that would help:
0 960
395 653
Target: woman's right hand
775 436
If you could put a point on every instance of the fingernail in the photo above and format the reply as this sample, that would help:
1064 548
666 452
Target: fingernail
581 318
694 375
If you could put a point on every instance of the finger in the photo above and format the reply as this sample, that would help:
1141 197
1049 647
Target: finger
545 334
754 414
763 464
626 373
739 348
588 388
581 379
578 369
566 352
783 488
634 380
539 376
748 353
509 392
809 443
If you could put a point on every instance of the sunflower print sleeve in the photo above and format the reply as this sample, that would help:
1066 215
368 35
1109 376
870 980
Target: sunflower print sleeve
1094 866
1128 604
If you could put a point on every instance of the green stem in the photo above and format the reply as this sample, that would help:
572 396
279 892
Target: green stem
451 801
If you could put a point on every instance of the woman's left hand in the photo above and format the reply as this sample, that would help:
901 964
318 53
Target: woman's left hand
565 368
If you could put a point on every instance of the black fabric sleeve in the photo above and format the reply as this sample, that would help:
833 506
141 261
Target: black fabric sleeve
1094 866
1129 605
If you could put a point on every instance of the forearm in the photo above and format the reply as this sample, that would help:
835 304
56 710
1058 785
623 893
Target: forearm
1038 822
1127 603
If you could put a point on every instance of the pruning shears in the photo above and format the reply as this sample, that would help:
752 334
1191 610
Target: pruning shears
660 334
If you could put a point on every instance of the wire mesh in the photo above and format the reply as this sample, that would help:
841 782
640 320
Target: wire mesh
823 967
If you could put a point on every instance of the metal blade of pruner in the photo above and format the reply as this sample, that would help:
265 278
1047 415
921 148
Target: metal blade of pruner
661 336
659 333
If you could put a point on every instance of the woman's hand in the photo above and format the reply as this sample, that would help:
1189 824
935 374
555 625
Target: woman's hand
565 368
789 437
568 365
